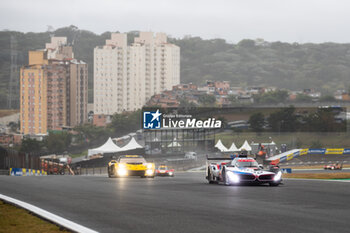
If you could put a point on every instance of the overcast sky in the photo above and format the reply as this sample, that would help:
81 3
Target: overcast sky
273 20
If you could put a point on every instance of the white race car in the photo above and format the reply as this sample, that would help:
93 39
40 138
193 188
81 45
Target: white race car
240 170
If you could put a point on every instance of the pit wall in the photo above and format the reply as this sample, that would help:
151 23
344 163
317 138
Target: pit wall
26 172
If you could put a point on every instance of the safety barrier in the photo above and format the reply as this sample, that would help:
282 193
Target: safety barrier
286 156
26 172
286 170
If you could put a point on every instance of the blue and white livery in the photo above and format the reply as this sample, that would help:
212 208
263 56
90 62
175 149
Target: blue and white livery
240 170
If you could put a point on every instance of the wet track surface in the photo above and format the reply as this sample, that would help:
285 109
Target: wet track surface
186 203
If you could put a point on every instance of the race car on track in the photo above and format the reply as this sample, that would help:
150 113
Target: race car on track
131 165
163 170
240 170
333 166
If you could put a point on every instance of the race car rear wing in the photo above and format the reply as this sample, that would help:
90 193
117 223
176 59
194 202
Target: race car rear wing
230 158
219 158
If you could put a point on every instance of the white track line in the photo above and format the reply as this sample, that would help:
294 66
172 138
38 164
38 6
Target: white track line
47 215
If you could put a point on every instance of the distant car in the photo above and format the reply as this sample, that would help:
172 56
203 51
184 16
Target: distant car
163 170
131 165
240 170
191 155
333 166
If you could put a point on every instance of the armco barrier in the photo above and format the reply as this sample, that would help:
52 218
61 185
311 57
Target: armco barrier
26 172
286 156
316 151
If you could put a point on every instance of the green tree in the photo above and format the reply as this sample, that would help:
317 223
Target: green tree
283 120
246 43
58 142
88 133
257 121
31 146
303 98
327 98
125 123
207 100
279 96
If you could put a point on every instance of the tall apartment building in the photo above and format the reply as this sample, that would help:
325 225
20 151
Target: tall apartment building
54 89
126 77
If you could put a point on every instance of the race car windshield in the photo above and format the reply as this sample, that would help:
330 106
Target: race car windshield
132 160
247 164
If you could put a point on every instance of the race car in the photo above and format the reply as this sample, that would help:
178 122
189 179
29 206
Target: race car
333 166
163 170
131 165
239 170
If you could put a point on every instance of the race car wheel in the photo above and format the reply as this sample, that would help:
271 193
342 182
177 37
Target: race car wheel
274 184
210 177
224 178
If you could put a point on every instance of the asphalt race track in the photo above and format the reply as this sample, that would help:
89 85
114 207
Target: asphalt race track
186 203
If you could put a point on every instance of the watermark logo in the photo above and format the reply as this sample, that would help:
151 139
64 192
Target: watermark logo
151 120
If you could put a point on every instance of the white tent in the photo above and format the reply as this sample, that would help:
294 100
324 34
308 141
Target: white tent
246 146
108 147
233 147
221 146
131 145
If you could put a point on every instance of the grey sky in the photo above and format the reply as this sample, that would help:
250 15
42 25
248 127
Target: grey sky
284 20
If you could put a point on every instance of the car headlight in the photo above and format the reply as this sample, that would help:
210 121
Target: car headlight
149 172
121 165
149 166
122 171
170 173
278 176
233 177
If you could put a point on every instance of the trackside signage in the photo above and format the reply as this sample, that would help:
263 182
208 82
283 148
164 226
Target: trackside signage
317 151
157 120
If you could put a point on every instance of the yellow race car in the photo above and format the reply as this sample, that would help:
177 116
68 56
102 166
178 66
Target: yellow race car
131 165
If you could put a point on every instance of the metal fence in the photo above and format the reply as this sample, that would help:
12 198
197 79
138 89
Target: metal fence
14 159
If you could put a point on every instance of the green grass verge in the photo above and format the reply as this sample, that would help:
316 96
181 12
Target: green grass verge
14 219
331 175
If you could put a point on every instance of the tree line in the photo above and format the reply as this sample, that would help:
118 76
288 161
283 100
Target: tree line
291 120
324 67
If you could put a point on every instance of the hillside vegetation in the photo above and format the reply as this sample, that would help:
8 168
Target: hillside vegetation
324 67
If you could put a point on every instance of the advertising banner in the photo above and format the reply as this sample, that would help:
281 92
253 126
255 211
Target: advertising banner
284 158
290 156
317 151
16 172
334 151
346 151
304 151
